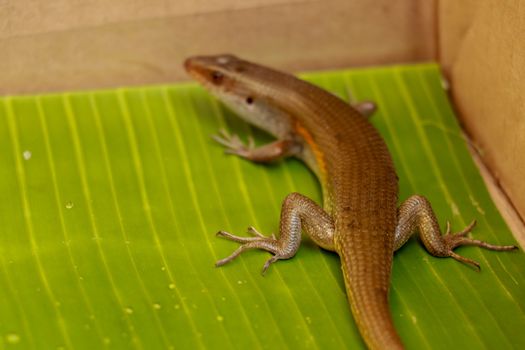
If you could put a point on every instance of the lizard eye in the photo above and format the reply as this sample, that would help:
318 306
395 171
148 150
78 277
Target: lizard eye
249 100
217 77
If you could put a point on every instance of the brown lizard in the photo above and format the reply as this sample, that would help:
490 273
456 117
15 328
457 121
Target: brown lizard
359 219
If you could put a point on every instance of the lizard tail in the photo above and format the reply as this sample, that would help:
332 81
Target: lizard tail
368 298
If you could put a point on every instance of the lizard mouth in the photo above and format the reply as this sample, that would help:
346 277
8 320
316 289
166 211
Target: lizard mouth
189 64
192 67
201 69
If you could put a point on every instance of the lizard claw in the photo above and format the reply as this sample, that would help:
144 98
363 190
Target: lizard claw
260 241
252 230
463 233
454 240
462 259
233 144
268 263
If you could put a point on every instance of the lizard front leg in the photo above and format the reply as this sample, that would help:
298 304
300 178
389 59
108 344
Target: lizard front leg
366 108
297 212
416 215
268 153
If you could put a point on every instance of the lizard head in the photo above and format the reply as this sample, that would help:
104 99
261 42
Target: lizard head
245 87
225 76
212 71
228 76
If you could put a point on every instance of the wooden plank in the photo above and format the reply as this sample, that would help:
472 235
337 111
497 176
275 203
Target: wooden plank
139 49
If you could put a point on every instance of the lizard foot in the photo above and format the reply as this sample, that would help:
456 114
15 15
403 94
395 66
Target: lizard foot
454 240
233 144
260 241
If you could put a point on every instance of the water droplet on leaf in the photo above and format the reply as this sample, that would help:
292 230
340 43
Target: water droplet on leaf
27 155
12 338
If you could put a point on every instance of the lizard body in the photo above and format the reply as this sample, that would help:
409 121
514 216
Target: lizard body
360 219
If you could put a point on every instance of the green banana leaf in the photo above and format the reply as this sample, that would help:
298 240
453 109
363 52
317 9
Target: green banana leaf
110 201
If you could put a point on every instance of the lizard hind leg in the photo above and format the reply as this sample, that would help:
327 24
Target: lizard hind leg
416 215
297 212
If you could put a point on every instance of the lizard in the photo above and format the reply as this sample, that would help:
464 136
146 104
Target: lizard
360 219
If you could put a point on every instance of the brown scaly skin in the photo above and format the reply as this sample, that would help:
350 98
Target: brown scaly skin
360 219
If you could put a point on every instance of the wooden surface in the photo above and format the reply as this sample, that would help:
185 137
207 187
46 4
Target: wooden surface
63 45
483 50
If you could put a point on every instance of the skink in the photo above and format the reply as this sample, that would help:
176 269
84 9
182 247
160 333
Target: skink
359 220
